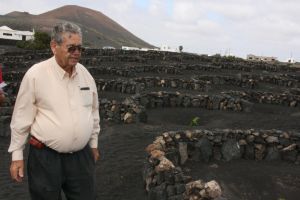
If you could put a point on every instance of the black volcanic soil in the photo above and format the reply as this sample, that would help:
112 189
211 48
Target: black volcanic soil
119 172
122 156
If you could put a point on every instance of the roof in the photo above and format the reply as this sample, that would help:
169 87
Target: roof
5 28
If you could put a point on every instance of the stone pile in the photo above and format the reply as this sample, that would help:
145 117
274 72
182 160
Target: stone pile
165 180
125 112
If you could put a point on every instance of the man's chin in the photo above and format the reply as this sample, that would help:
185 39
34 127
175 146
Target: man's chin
73 63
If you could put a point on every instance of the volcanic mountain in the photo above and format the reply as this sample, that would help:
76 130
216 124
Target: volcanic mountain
98 30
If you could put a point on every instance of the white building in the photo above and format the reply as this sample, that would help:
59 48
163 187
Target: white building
109 47
291 60
168 48
130 48
162 48
261 58
8 34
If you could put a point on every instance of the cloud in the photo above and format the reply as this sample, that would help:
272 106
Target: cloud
120 5
24 6
186 11
157 8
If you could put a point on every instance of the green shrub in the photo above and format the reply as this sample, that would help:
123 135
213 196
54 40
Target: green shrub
41 41
195 121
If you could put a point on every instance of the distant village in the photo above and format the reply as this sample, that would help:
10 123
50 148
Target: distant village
9 36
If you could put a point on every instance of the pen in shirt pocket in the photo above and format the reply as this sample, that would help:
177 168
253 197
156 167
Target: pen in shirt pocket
84 88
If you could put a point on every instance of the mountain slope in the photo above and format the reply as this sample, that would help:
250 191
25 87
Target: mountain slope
98 30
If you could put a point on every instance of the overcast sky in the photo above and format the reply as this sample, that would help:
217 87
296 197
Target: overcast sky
238 27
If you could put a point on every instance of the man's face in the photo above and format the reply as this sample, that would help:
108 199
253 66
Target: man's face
67 53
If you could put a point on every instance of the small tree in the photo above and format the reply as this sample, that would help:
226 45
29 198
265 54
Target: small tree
41 41
180 48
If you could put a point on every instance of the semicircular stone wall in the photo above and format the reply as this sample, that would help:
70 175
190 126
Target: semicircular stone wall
164 179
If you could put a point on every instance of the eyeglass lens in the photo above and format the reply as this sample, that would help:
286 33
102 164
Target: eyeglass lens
72 49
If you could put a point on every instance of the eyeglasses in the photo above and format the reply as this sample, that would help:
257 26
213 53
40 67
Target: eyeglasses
73 48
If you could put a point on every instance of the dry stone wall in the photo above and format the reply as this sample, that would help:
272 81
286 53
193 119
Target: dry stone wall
285 80
133 70
285 99
124 112
171 69
163 175
110 111
176 99
5 118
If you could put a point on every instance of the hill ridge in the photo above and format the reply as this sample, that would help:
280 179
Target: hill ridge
98 29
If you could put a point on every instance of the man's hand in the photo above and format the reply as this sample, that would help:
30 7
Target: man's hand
2 97
17 170
96 154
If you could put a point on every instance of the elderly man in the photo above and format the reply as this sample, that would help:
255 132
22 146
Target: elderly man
57 107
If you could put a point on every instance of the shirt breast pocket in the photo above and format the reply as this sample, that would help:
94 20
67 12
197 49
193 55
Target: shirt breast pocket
86 97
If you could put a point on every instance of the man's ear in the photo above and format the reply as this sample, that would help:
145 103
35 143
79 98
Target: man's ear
53 46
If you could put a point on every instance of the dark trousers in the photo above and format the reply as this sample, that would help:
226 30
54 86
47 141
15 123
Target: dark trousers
50 172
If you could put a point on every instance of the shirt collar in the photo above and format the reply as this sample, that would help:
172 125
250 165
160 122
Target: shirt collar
62 73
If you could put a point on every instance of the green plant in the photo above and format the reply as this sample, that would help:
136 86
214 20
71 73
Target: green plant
195 121
41 41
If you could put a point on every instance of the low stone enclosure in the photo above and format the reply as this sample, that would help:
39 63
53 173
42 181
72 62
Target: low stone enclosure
96 57
110 111
134 108
165 180
177 99
243 80
138 85
197 83
199 80
286 99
